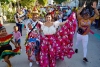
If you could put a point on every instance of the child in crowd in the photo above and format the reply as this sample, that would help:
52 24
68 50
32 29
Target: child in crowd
17 36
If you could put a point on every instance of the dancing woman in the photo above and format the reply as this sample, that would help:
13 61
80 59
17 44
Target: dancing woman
85 21
6 51
56 44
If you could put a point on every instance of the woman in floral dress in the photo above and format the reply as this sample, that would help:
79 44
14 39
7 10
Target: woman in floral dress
56 44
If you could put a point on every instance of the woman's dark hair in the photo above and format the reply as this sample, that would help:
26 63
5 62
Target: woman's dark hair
48 14
53 17
2 27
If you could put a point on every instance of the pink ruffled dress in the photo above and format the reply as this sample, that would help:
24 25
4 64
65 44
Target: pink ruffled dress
57 44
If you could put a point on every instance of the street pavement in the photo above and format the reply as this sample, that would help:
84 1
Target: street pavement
93 54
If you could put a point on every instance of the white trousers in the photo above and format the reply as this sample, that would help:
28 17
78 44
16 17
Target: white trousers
84 40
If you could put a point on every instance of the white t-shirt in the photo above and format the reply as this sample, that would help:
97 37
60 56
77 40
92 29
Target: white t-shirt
18 17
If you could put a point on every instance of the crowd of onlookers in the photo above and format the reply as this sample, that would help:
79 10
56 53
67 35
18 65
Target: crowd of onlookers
58 13
97 21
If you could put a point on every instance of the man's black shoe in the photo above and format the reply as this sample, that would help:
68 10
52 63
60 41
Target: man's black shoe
76 50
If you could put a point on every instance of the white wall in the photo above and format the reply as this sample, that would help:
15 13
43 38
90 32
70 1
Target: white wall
72 3
50 2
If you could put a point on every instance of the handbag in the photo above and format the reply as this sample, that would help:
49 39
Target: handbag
81 31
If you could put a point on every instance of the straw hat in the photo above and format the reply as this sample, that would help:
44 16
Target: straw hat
35 10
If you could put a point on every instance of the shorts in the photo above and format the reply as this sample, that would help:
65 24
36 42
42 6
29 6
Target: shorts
19 41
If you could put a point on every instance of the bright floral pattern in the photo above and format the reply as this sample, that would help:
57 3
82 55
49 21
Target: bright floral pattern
59 45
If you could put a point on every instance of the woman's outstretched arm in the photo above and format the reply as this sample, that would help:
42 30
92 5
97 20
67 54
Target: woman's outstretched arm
80 10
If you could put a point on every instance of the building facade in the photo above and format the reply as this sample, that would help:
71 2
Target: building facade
81 2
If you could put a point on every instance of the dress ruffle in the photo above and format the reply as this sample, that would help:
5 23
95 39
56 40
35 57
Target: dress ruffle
11 53
5 40
5 48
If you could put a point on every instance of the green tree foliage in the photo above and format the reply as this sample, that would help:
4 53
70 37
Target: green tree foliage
5 1
43 2
60 1
27 2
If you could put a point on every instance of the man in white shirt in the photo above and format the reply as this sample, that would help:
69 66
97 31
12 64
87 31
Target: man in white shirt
34 21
